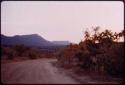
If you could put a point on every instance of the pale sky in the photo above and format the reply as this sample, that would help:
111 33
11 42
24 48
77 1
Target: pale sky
60 20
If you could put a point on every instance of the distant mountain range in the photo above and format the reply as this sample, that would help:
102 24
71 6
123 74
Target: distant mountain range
31 40
61 42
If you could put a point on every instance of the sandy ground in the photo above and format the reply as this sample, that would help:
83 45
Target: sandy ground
40 71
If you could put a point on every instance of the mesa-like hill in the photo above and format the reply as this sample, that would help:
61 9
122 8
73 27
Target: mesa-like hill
30 40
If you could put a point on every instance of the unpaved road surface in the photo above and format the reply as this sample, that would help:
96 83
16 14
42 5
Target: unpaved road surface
40 71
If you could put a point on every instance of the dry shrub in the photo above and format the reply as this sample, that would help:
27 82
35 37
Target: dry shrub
116 57
20 49
10 53
32 55
99 52
65 56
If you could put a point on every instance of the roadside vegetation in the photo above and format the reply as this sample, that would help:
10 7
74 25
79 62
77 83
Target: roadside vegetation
24 52
98 52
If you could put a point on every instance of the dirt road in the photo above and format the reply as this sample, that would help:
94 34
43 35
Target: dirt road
40 71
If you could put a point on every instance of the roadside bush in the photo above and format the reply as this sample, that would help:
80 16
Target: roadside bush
116 56
32 55
100 52
20 49
11 54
